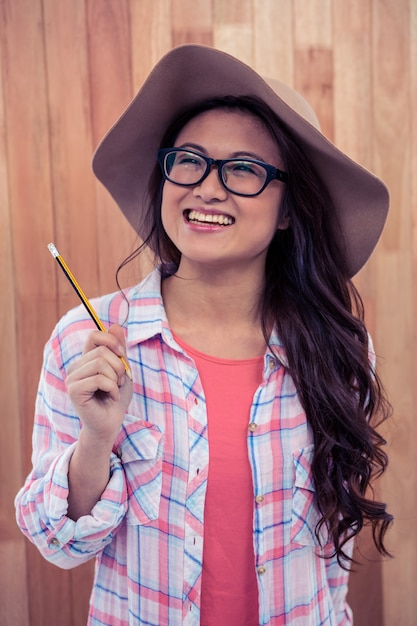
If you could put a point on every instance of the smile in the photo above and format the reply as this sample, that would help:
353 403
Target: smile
196 217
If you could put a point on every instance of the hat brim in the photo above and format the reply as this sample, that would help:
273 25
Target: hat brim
190 74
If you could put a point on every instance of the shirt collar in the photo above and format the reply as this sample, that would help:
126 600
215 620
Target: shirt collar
275 356
147 318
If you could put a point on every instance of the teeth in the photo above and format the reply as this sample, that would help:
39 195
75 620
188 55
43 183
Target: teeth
196 216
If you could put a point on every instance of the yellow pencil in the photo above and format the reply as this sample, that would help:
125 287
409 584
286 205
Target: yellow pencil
52 249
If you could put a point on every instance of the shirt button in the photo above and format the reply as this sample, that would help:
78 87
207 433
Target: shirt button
259 499
54 542
253 426
261 570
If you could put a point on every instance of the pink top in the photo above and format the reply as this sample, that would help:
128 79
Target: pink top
229 592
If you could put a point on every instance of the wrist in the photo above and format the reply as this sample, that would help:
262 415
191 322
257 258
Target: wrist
98 445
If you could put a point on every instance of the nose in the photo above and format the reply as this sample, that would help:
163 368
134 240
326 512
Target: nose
211 187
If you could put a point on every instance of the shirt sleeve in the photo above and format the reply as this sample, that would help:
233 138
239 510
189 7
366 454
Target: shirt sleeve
337 579
42 503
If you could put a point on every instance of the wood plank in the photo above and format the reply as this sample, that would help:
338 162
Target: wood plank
151 32
314 80
313 23
109 49
11 459
192 22
273 27
232 28
26 110
151 38
29 200
413 148
28 147
13 591
393 120
234 13
314 58
13 570
71 145
353 79
352 126
390 606
81 586
365 583
49 591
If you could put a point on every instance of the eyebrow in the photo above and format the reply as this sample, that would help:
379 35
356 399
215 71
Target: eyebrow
240 154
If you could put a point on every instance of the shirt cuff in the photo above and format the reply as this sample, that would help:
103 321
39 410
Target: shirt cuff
90 533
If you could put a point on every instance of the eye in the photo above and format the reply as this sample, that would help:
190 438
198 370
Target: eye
187 159
245 168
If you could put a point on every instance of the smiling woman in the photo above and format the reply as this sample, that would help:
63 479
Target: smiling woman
227 483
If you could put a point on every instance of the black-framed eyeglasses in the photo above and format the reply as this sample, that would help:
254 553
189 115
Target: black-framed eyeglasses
243 177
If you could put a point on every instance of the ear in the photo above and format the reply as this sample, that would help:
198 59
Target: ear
283 222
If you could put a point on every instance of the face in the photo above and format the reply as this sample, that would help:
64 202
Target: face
210 225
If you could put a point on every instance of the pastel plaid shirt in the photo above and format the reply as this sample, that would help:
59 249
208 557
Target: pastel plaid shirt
146 532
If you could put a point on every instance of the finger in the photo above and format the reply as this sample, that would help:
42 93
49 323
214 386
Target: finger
113 342
118 332
100 360
92 375
97 386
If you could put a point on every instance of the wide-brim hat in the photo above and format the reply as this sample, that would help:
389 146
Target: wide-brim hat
190 74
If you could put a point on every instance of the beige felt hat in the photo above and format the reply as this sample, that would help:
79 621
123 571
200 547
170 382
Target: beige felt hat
190 74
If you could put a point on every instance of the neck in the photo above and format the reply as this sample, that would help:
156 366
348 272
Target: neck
232 294
217 312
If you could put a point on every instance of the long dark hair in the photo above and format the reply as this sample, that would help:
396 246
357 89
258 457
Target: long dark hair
319 316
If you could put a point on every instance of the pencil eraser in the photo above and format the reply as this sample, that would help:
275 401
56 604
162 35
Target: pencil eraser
52 249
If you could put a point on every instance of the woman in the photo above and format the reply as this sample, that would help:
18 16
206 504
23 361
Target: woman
226 484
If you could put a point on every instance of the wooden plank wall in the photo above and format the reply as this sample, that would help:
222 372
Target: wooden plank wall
67 69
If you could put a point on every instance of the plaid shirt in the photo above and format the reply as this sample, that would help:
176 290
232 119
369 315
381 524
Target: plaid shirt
146 531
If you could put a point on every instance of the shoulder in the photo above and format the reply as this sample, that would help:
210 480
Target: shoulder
70 333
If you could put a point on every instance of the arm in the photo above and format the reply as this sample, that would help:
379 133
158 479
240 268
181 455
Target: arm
100 392
42 503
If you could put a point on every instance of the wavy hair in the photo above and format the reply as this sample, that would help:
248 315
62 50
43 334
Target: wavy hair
319 316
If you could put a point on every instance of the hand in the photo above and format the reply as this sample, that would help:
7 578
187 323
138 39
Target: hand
98 385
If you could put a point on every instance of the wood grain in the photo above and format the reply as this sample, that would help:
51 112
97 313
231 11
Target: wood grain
273 39
192 22
394 275
71 144
13 569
